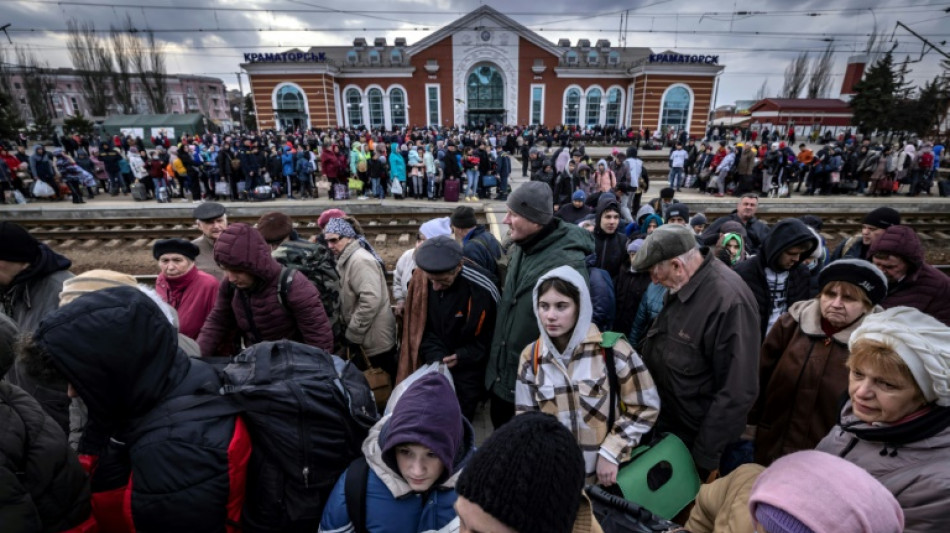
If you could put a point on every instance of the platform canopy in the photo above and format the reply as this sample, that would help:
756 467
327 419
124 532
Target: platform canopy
148 127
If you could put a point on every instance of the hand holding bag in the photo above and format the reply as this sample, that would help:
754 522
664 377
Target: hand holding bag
379 381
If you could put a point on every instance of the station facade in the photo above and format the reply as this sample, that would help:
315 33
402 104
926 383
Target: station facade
484 68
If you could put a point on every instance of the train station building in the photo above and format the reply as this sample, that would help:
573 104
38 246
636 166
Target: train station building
484 68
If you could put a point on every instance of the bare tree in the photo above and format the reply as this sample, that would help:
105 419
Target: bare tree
763 91
820 80
10 118
795 74
148 62
122 43
38 87
93 63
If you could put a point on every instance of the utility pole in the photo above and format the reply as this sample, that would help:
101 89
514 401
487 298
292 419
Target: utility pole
241 90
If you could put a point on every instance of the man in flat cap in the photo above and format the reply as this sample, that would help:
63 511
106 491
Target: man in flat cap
540 243
703 348
212 220
450 318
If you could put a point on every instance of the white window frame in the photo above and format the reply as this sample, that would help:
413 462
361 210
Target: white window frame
346 104
531 102
606 100
438 103
405 103
689 112
601 108
580 104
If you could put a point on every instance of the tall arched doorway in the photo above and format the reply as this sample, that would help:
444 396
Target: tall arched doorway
485 89
290 108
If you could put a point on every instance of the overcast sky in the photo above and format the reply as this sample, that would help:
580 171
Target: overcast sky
754 47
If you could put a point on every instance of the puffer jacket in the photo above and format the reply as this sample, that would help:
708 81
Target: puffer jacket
43 488
192 295
167 452
557 244
365 301
911 459
723 505
330 163
256 313
287 162
34 293
803 375
924 287
786 234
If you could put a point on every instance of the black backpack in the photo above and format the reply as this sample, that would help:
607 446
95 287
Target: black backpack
307 412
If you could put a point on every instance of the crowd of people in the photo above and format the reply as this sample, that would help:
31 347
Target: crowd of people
809 385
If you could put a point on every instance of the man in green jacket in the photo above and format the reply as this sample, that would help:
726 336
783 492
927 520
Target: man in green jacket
540 243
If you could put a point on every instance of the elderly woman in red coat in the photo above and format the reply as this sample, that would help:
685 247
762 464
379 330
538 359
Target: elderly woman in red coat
190 291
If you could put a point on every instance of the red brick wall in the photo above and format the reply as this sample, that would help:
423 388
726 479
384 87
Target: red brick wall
416 87
554 87
646 109
318 88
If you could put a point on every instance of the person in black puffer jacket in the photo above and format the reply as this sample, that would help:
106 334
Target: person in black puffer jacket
168 451
777 276
610 245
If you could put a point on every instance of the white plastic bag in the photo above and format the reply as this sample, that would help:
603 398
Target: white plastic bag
396 188
41 189
438 368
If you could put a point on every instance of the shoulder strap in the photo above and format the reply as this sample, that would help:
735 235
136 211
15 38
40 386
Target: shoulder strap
608 341
354 490
283 286
536 355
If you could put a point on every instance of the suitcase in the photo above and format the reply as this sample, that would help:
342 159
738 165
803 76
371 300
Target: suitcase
139 192
341 191
162 195
450 190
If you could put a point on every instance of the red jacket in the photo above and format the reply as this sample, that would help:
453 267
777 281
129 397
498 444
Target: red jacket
330 164
192 295
256 313
924 287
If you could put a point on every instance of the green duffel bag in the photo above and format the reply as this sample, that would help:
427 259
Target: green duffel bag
660 477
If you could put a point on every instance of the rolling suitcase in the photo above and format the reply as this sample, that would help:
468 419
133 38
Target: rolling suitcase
139 192
340 191
451 190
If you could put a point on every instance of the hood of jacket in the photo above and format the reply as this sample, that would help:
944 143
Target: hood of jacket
784 235
607 202
47 262
584 313
645 209
126 377
651 217
902 241
604 163
242 247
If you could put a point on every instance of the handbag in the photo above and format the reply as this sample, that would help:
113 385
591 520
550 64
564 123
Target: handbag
356 183
222 188
489 180
379 381
661 477
396 188
783 191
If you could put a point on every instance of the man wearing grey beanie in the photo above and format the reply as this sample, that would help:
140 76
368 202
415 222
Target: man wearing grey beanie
540 243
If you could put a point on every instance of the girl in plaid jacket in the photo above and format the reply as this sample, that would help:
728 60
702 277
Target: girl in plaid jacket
564 373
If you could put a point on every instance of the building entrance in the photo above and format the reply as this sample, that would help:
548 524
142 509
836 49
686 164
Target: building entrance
485 90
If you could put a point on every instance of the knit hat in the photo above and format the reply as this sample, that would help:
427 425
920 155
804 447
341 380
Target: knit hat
175 246
697 219
667 193
91 281
578 196
275 226
666 242
882 217
16 244
463 217
528 475
634 246
533 201
435 227
439 254
427 413
327 215
812 491
857 272
920 340
677 210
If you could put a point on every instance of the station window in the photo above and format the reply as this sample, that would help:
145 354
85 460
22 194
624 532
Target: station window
375 98
354 104
537 104
432 102
593 107
572 107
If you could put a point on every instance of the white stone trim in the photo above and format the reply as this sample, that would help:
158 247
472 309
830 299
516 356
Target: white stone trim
689 113
438 98
338 105
273 100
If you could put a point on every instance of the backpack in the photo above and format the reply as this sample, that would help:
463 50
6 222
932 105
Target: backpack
354 493
316 263
926 161
307 412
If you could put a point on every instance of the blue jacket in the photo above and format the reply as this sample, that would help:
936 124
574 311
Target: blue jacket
287 161
391 507
483 249
303 167
397 165
650 307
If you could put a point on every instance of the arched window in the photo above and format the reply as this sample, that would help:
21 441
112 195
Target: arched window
613 107
397 107
593 107
675 110
572 107
486 89
375 97
354 103
289 98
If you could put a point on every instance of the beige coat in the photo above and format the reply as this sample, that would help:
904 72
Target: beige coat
364 296
205 260
723 505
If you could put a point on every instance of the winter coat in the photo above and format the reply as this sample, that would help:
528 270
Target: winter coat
34 293
403 273
924 287
756 230
723 505
786 234
256 313
911 459
43 488
610 248
192 295
365 301
397 164
852 247
574 386
287 162
746 162
391 505
650 306
161 461
557 244
802 376
483 249
41 165
629 289
330 164
605 181
205 261
568 213
703 354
